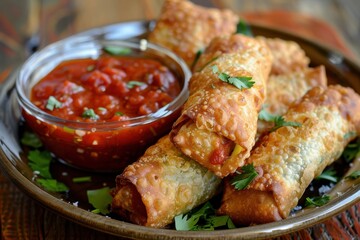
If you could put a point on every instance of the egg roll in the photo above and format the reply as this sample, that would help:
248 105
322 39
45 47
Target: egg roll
163 183
289 158
288 55
217 126
284 89
186 28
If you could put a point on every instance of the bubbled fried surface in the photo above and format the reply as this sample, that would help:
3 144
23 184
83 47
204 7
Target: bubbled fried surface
186 28
288 55
166 182
284 89
222 109
289 158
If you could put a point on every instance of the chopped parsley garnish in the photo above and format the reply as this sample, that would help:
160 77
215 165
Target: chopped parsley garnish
132 84
53 103
196 59
354 175
352 151
82 179
116 50
119 114
39 162
202 218
243 178
90 68
329 175
280 122
239 82
243 28
317 201
52 185
31 139
90 113
266 116
100 199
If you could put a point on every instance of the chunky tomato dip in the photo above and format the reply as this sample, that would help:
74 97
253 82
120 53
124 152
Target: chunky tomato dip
110 88
104 94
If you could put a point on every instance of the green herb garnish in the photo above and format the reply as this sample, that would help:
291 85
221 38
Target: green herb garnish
82 179
354 175
317 201
280 122
196 59
243 28
202 218
39 161
351 151
90 113
243 178
52 185
90 68
116 50
328 175
119 114
239 82
266 116
53 103
132 84
100 199
31 139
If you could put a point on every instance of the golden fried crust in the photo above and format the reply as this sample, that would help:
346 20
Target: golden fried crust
186 28
288 55
289 158
284 89
216 110
163 183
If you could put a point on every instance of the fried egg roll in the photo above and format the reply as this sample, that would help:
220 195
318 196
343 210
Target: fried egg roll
284 89
289 158
218 123
288 55
163 183
186 28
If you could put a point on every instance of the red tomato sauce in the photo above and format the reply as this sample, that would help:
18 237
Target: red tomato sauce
115 88
112 88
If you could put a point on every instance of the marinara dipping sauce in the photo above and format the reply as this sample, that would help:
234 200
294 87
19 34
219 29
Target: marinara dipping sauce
106 108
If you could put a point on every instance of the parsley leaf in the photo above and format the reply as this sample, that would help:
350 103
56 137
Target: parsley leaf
354 175
244 178
239 82
40 162
116 50
82 179
266 116
90 113
132 84
52 185
53 103
328 175
31 139
280 122
100 199
317 201
351 151
202 218
243 28
196 59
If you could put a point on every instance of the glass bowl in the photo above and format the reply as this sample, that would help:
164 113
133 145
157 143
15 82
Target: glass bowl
97 146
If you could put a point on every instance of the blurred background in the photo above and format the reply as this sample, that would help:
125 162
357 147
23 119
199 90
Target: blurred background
26 25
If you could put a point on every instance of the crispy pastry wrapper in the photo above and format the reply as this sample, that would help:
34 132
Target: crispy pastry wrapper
186 28
284 89
289 158
163 183
288 55
219 116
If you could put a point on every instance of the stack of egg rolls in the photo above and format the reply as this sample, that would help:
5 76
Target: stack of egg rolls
186 28
289 158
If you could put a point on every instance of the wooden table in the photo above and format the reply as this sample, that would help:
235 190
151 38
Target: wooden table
22 217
